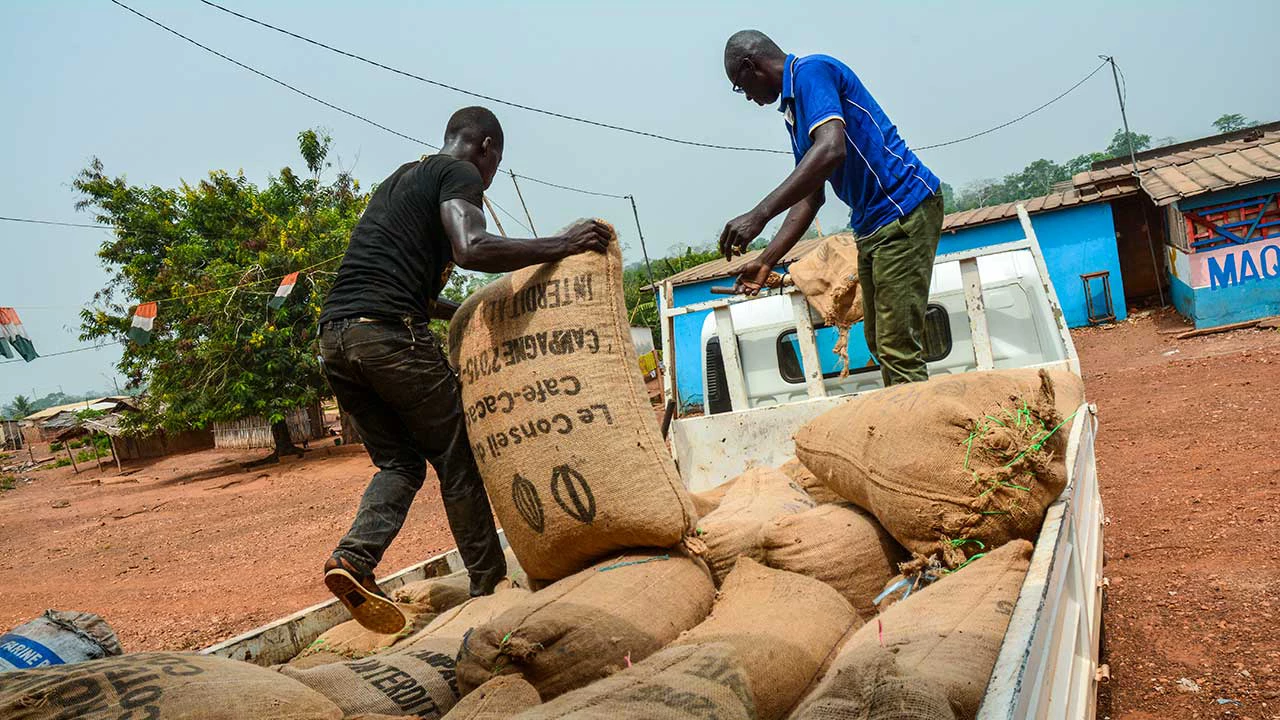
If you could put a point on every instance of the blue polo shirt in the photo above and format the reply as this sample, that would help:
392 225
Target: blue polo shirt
881 180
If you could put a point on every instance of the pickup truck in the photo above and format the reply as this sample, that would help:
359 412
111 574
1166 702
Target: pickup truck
997 308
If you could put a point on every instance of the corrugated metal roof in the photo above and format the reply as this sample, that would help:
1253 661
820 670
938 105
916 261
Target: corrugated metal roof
49 412
1193 168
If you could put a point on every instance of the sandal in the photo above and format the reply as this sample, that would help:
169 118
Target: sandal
360 594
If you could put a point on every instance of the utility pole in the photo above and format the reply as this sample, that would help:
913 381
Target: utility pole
1133 163
520 195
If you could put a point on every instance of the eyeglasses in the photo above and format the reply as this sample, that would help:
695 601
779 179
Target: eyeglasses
737 76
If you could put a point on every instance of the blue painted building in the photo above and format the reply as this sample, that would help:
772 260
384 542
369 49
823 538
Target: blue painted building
1077 237
1216 209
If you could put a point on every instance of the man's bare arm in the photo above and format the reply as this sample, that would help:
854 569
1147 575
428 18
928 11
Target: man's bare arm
474 248
811 173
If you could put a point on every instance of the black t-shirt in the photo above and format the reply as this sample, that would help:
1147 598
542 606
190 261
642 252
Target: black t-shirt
399 257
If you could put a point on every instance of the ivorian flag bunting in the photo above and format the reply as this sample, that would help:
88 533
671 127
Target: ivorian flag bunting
144 318
16 335
4 346
282 292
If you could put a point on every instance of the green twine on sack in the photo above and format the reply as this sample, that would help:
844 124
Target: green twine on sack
962 565
961 541
625 563
1039 442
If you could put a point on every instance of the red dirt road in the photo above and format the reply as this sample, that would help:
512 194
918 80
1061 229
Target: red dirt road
176 558
182 553
1190 481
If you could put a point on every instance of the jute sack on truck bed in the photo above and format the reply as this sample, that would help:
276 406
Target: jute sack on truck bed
828 277
590 625
948 635
691 682
880 691
841 545
781 625
559 419
454 624
733 529
160 685
952 465
708 500
418 682
802 476
421 601
498 699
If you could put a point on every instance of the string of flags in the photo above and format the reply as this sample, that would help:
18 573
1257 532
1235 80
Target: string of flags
13 336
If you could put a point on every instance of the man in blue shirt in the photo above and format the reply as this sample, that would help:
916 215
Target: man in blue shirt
839 134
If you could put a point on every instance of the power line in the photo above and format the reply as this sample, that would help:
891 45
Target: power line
68 352
490 98
55 222
570 188
326 103
1021 117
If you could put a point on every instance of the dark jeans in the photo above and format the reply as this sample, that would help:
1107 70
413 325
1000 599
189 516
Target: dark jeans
895 265
395 384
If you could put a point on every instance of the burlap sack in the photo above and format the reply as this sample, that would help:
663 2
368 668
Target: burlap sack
692 682
948 635
435 595
828 277
840 545
590 625
708 500
953 465
55 638
159 685
456 623
418 682
800 475
500 698
353 641
559 419
781 625
733 529
305 659
880 691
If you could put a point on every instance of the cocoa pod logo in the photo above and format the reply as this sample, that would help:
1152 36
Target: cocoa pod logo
528 504
573 494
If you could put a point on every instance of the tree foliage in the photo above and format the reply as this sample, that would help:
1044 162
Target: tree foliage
221 354
1229 122
641 304
1039 177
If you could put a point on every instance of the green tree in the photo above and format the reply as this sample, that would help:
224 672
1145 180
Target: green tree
212 252
1082 163
19 407
1229 122
1119 146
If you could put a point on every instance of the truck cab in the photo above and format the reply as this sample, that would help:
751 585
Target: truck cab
1021 324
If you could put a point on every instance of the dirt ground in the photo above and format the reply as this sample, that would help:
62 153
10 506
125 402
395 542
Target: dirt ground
1190 482
187 550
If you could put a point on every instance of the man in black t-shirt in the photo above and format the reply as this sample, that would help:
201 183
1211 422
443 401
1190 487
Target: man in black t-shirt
388 372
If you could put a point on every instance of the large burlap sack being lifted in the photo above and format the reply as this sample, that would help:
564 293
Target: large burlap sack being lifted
781 625
162 686
590 625
953 466
692 682
947 636
559 419
828 277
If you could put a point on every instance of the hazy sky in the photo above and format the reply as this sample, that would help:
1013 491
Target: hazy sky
83 79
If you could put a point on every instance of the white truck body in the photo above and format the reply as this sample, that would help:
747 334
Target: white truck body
1048 661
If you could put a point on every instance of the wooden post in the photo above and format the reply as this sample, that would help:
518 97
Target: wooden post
115 453
67 446
94 442
494 215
